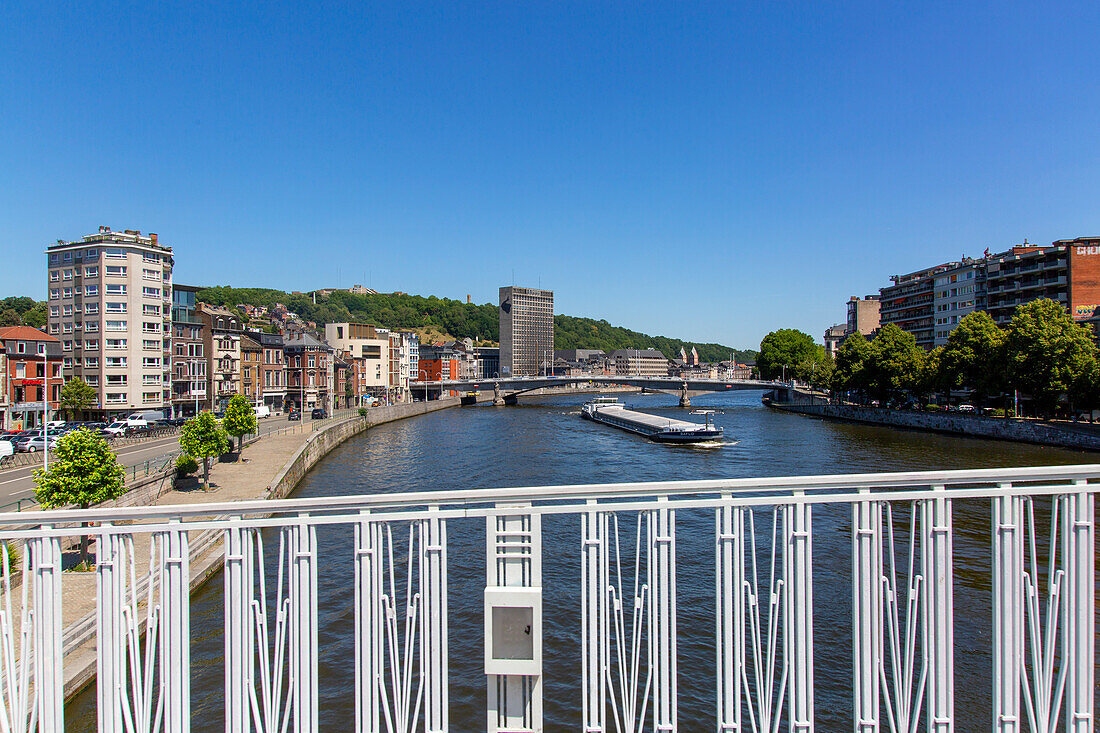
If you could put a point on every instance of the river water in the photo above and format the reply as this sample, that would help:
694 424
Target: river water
546 443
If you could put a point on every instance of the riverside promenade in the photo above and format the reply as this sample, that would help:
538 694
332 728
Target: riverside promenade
268 467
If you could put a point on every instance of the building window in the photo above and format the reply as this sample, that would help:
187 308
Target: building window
114 253
116 397
91 309
150 344
115 307
91 326
54 276
150 292
91 291
68 274
150 310
91 344
114 289
116 380
54 293
92 271
115 326
91 362
115 361
90 254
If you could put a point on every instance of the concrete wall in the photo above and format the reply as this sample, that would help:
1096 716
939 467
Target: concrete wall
1024 431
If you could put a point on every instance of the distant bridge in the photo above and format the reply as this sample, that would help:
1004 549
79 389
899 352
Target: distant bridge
507 389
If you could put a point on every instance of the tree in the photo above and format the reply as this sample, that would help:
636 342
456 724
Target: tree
783 350
896 361
816 371
85 471
1047 352
77 395
203 438
974 357
853 364
240 419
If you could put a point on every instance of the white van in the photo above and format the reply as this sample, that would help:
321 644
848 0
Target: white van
262 411
144 418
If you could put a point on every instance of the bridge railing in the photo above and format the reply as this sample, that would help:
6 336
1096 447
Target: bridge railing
761 568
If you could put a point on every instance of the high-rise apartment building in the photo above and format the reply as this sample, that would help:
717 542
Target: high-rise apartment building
909 303
110 305
930 303
526 331
958 292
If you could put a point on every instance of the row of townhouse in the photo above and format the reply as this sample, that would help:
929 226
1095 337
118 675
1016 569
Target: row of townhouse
930 302
30 375
118 321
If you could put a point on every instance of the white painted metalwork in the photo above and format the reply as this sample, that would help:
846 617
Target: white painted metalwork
1043 643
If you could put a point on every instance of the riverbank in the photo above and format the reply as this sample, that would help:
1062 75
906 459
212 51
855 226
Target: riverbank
955 423
270 467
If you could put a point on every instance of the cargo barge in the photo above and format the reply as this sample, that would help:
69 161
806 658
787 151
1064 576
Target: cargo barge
607 410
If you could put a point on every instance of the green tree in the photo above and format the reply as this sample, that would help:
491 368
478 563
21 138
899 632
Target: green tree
77 395
853 364
203 438
1047 353
85 471
240 419
783 350
817 371
974 357
896 361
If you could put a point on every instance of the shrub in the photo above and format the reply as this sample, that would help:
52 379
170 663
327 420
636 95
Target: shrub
186 465
362 412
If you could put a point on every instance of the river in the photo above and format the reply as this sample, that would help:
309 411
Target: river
545 443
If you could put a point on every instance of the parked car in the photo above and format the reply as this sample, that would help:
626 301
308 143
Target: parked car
318 413
294 415
177 421
35 443
966 408
115 429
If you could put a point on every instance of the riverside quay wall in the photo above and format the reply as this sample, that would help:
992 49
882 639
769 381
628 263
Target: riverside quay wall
975 426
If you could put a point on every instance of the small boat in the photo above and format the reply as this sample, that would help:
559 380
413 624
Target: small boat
609 411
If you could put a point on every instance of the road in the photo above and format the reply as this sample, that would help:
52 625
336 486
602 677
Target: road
17 484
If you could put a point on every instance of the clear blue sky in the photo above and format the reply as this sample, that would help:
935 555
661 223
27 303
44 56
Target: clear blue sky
704 170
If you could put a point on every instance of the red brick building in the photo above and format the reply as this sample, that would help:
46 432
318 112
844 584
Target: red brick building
32 361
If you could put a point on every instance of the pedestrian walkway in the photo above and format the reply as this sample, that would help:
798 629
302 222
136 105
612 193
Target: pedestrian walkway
234 480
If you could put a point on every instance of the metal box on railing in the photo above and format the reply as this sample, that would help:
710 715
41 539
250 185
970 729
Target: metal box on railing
513 630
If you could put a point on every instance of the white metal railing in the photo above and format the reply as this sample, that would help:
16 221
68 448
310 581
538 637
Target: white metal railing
1043 641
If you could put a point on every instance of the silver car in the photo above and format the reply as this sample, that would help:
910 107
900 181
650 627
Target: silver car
34 443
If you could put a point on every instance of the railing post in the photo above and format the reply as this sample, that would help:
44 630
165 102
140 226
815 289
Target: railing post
110 665
303 627
867 620
1079 640
175 651
936 559
662 615
1008 610
594 620
239 640
730 632
433 627
368 624
798 632
514 560
48 652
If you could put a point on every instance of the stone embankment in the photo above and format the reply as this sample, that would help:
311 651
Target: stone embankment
954 423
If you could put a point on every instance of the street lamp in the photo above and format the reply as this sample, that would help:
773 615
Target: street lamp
45 409
424 381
